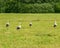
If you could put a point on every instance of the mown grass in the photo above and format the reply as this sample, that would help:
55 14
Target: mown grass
42 34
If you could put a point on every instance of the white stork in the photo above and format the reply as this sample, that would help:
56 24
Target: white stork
30 24
19 27
7 24
55 24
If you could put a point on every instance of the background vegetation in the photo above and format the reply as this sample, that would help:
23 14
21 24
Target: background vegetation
29 6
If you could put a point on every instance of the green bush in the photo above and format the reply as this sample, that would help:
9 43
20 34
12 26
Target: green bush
57 8
38 1
11 7
29 6
37 8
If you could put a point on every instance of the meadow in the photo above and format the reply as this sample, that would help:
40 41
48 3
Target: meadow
42 34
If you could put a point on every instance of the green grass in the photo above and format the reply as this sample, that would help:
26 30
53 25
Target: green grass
40 35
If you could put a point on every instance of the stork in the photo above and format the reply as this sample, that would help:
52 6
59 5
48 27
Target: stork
30 24
7 24
19 27
55 24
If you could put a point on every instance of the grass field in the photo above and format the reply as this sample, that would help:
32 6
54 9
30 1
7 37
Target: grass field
42 34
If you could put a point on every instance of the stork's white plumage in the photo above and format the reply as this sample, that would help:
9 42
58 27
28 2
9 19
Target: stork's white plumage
19 26
55 23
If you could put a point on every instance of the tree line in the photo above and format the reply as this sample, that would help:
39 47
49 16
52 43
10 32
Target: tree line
29 6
